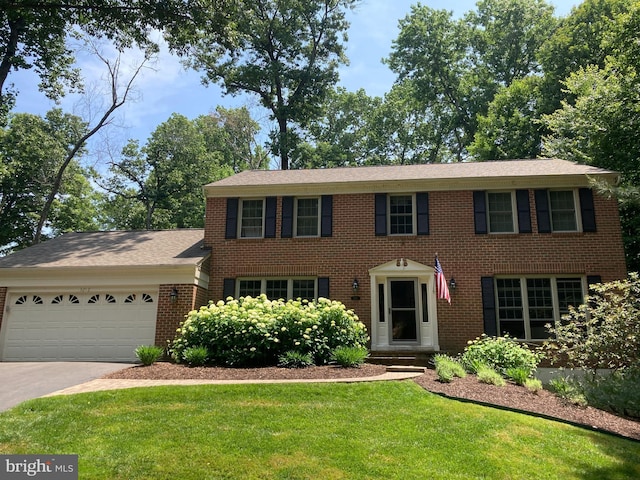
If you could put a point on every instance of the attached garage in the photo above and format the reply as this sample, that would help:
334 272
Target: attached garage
97 296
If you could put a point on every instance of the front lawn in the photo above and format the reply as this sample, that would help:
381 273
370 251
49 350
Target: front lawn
379 430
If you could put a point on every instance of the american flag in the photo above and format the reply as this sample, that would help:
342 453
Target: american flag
441 283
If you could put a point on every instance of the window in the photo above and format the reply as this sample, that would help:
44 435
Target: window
251 218
562 207
500 212
307 217
526 305
278 288
401 214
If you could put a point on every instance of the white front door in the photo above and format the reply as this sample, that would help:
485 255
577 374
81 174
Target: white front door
403 313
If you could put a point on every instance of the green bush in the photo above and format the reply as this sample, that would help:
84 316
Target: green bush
618 392
489 375
196 356
603 332
149 354
295 359
447 368
518 374
499 353
568 390
350 357
533 385
256 331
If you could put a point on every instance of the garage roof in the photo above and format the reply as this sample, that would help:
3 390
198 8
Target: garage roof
113 249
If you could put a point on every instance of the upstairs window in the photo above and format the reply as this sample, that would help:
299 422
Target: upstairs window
401 216
278 288
565 210
562 206
307 217
500 212
251 218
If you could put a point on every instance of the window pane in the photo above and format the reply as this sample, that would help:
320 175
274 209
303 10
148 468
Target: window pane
401 214
500 212
276 289
307 217
540 306
304 289
563 211
249 288
251 218
569 293
510 312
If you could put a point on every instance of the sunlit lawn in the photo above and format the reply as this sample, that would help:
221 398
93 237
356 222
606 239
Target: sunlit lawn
385 430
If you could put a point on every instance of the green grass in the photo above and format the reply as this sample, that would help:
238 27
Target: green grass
385 430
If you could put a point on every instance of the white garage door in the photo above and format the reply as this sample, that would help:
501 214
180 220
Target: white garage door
76 326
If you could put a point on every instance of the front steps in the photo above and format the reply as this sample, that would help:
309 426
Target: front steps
409 358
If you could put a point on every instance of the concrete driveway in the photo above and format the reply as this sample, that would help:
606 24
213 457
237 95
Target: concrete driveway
20 381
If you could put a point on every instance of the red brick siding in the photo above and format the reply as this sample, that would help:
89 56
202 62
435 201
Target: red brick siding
354 249
3 299
170 314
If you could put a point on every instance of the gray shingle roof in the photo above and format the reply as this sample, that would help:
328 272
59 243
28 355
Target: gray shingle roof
435 171
113 249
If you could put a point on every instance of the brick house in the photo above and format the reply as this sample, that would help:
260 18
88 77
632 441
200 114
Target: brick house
521 239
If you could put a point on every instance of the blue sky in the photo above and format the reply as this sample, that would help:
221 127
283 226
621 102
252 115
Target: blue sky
168 88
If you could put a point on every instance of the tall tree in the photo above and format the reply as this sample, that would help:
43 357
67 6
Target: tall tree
286 52
457 65
33 33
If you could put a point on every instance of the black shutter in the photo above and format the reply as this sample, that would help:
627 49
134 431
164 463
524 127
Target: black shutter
489 307
591 279
381 214
323 287
422 208
587 210
542 211
270 217
480 211
287 217
228 288
326 222
524 211
232 218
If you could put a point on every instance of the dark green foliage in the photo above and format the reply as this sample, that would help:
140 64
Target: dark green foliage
149 354
295 359
350 357
196 356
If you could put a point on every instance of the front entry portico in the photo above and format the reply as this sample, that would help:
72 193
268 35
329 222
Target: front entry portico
403 309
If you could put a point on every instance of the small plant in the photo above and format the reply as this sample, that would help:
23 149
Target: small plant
447 368
534 385
149 354
500 353
568 390
519 375
295 359
617 392
488 375
350 356
196 356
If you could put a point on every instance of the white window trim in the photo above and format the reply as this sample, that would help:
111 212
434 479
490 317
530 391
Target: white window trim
240 209
525 299
263 285
414 216
295 217
576 209
514 212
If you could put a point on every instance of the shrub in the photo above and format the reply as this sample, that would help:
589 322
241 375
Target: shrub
196 356
256 331
518 374
499 353
533 384
447 368
604 332
489 375
295 359
618 392
350 356
568 390
149 354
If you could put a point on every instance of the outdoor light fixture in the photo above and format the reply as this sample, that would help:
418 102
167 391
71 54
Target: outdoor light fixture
173 296
452 284
355 285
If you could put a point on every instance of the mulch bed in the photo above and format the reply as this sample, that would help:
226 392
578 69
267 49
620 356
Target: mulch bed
510 396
